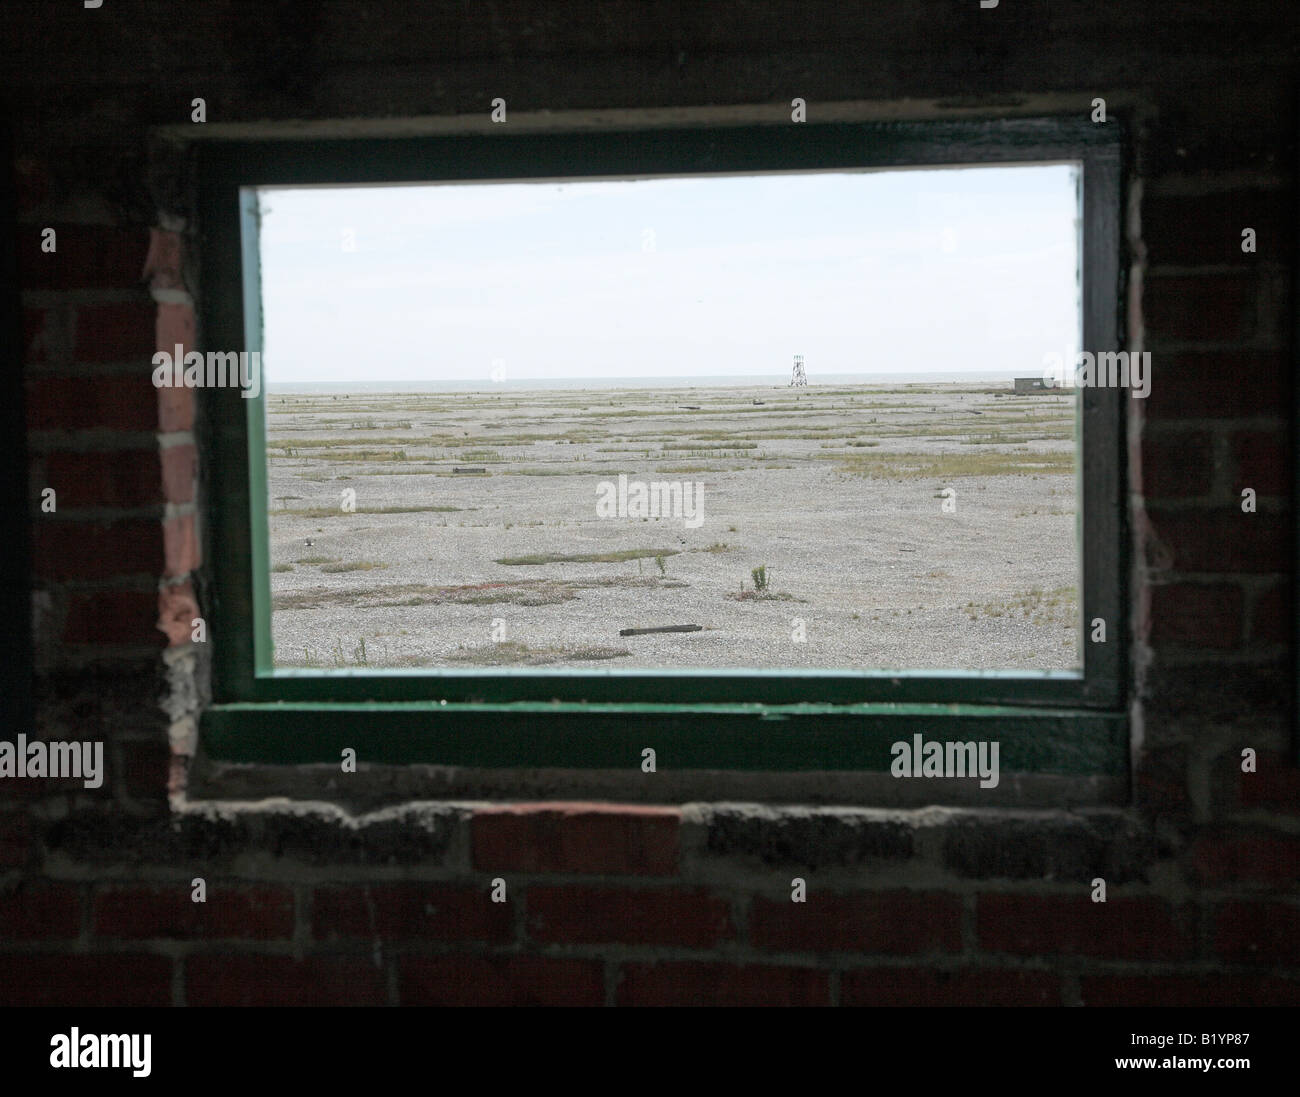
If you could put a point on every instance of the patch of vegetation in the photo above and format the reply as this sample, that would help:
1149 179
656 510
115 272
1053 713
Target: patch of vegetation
516 654
616 557
354 565
762 591
1058 606
282 567
943 466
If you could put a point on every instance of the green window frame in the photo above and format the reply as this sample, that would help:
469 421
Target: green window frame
791 720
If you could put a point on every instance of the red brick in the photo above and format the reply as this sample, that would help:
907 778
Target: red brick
1251 858
1262 461
174 325
181 545
1275 784
436 912
107 979
140 913
96 550
968 987
40 911
162 265
114 333
1218 385
711 984
217 980
1223 540
179 467
1205 229
612 840
887 922
145 766
670 916
1271 615
1204 615
1160 781
47 336
1214 989
120 478
175 409
1177 465
514 980
127 403
31 183
112 617
85 257
177 611
1196 308
15 839
1056 925
1262 933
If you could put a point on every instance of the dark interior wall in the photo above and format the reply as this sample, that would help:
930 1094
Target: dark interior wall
651 904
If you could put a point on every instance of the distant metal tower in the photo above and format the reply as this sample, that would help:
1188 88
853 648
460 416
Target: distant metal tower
798 379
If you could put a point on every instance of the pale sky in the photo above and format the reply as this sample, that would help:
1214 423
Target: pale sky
952 270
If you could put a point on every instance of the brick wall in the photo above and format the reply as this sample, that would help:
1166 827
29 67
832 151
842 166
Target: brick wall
635 904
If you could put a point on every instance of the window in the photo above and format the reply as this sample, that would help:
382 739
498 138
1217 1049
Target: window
588 712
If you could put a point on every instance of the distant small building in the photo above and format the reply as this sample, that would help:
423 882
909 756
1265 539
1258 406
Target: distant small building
1032 384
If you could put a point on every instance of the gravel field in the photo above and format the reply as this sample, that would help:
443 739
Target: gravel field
919 526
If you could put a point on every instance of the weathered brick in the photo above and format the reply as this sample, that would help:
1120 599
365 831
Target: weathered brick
96 550
1217 385
1223 540
162 264
883 922
436 912
262 912
107 979
662 916
1272 619
1206 615
1205 229
1257 933
892 986
174 325
85 257
221 980
112 617
145 765
1262 461
120 478
179 468
1197 308
690 983
112 333
113 402
1214 989
1251 858
175 409
1060 925
611 840
177 611
181 545
1275 784
1177 465
500 980
15 839
38 910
